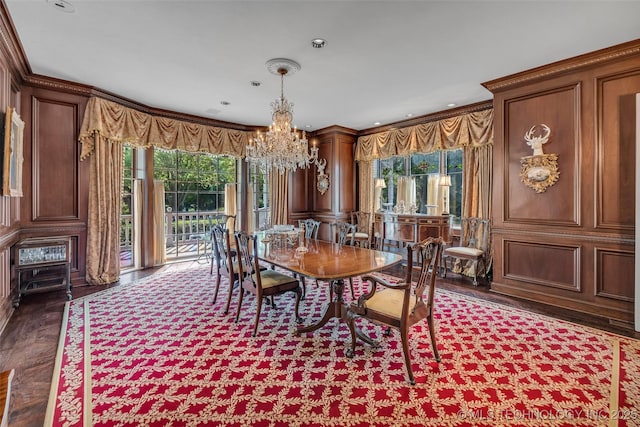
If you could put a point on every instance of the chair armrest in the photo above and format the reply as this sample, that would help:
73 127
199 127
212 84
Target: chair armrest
377 280
358 306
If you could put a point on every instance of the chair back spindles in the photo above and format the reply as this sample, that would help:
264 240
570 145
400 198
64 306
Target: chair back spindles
429 253
345 233
311 227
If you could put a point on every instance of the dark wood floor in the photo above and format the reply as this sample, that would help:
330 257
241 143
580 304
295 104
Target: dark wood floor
29 342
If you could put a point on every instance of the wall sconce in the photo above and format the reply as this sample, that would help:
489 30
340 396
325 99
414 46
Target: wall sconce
380 183
445 183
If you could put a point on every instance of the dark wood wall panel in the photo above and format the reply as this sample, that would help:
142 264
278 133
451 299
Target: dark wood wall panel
616 151
557 108
542 264
54 143
574 244
298 190
614 274
345 172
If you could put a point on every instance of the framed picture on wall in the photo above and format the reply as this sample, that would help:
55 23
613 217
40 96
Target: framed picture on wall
12 154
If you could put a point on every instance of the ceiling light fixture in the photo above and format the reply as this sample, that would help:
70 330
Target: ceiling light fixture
318 43
451 104
281 147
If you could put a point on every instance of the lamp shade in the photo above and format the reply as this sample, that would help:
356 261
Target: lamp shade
381 183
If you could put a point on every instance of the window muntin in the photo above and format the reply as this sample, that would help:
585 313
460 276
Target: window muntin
423 167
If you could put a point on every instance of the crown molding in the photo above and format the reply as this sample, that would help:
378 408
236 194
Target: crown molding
565 66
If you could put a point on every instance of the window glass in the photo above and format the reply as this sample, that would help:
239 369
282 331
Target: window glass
454 170
194 190
426 169
259 181
391 169
126 210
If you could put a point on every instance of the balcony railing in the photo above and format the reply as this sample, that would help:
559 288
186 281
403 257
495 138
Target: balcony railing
183 233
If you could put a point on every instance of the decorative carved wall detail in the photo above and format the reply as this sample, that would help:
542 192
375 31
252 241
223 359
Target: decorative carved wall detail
540 170
323 179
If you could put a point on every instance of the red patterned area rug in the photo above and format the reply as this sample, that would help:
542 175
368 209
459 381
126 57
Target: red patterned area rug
159 353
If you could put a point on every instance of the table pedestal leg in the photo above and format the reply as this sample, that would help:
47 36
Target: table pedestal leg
335 308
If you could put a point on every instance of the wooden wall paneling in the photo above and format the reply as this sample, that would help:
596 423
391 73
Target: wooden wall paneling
614 270
559 109
298 192
542 264
344 171
615 173
573 245
54 160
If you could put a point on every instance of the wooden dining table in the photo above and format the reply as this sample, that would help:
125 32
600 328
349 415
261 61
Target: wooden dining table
325 261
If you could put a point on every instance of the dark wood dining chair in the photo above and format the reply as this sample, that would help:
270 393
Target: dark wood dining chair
403 304
261 283
225 259
362 234
311 227
345 235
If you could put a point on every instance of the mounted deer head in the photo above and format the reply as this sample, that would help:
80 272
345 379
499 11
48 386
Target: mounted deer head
536 142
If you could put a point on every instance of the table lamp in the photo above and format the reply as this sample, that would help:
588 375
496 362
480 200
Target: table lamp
445 183
379 185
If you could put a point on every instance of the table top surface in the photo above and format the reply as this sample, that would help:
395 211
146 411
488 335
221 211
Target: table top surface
325 260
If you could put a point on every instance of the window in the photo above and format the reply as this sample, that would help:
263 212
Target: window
259 182
194 190
426 169
126 210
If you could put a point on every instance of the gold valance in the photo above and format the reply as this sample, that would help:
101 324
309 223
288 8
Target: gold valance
114 122
467 130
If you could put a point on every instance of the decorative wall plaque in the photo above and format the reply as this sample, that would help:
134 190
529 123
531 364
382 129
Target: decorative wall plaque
539 171
323 179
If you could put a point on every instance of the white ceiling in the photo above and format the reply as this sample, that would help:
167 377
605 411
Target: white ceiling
383 59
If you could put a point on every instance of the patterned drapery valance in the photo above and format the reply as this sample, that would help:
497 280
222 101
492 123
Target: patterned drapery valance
116 123
468 130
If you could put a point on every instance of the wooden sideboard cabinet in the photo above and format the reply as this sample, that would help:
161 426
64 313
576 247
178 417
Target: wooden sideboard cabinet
411 228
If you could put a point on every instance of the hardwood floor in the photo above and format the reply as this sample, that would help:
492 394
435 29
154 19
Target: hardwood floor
29 342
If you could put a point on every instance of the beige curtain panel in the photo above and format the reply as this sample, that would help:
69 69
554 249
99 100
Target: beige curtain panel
278 196
117 123
367 189
468 130
103 225
230 191
159 224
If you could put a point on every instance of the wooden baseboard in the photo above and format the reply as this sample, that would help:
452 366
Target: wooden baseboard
5 396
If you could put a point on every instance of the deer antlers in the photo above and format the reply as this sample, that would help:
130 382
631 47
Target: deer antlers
536 142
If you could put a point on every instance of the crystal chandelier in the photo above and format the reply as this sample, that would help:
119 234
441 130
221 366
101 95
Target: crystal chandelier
281 147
